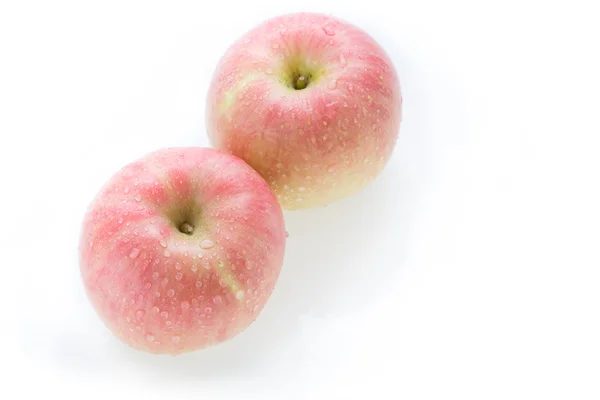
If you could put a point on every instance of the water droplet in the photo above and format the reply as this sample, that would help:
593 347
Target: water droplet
147 285
178 276
155 275
163 243
328 30
268 71
175 339
155 309
134 253
332 85
167 253
185 305
120 220
220 264
170 293
239 294
194 268
207 310
165 281
126 190
164 314
168 323
275 45
140 314
137 197
150 337
178 266
207 244
217 299
198 284
156 294
255 308
342 60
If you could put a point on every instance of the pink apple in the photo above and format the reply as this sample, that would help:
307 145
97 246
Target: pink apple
310 102
181 249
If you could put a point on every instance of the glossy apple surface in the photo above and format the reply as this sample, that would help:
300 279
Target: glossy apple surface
310 102
181 249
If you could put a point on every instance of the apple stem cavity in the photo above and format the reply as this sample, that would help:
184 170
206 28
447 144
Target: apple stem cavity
186 228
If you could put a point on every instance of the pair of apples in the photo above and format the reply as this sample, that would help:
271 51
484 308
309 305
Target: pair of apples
181 249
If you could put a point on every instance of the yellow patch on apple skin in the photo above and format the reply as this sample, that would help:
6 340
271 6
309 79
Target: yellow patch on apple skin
231 95
230 282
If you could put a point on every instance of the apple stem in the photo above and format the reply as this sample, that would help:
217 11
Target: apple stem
186 228
301 82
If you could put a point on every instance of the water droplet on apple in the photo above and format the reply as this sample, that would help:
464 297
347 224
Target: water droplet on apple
155 275
207 244
217 299
328 30
170 293
163 243
175 339
147 285
167 253
275 45
155 309
134 253
239 294
198 284
207 310
342 60
332 85
178 276
150 337
194 268
120 220
156 294
140 314
137 197
185 305
164 314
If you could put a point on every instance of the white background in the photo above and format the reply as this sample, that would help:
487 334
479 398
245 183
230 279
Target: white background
470 269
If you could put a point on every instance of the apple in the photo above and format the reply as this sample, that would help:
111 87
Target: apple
310 102
181 249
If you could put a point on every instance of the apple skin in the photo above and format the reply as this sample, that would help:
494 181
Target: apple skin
161 290
313 144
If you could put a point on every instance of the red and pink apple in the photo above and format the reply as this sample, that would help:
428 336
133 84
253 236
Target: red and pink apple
181 249
310 102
